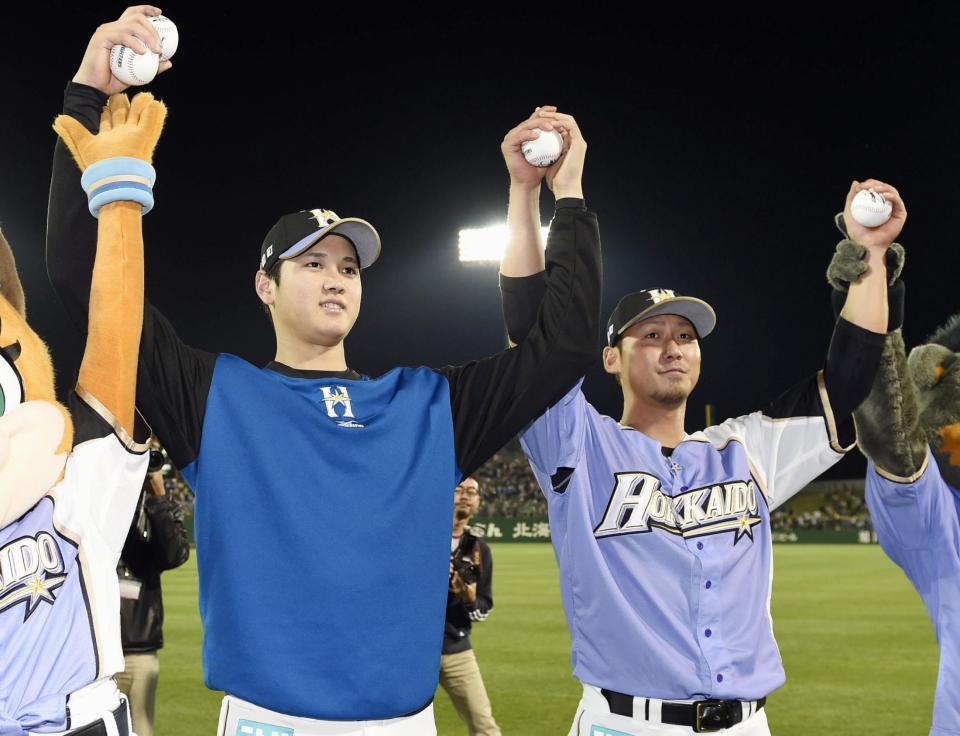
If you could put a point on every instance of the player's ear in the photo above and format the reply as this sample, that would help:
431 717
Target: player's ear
611 359
265 287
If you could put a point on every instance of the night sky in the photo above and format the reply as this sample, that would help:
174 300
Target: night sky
720 146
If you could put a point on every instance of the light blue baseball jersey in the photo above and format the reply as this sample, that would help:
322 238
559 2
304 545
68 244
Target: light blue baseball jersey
918 525
665 563
59 594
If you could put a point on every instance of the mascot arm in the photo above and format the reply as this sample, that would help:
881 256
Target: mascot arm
118 179
887 422
173 378
108 371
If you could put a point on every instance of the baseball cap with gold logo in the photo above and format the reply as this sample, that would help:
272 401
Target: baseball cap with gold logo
651 302
295 233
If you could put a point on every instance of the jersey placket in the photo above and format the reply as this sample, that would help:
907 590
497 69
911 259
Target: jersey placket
705 582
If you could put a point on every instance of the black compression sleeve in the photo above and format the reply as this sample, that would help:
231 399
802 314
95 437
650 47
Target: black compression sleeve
852 362
494 398
521 296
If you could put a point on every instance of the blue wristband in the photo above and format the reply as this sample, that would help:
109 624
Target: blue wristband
121 178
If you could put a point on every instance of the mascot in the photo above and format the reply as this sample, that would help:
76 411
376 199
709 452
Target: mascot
70 477
909 429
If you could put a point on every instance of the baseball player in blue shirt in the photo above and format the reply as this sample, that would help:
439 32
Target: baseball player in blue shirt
663 537
288 459
909 428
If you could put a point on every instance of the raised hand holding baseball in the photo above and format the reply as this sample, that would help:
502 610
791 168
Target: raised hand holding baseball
885 231
522 172
139 29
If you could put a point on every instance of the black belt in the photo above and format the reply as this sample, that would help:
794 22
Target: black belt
97 728
703 716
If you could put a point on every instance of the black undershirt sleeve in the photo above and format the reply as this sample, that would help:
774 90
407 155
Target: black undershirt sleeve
852 361
173 379
521 297
494 398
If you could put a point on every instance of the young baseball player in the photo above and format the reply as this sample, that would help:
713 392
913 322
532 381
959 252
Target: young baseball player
287 460
663 537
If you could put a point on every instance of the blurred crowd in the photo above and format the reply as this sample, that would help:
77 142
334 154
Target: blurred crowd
508 489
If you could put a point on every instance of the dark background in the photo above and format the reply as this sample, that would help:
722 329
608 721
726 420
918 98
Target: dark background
721 144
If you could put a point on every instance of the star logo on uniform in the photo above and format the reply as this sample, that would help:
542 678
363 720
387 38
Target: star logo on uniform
339 399
33 592
745 524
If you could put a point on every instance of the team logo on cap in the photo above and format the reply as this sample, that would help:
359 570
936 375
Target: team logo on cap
658 295
324 218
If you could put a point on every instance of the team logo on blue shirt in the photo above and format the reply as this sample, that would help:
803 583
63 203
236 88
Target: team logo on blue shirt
638 505
31 568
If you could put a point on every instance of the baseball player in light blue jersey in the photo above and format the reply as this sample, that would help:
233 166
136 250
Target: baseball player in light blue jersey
663 537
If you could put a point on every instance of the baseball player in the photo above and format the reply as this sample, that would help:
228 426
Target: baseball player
663 537
286 460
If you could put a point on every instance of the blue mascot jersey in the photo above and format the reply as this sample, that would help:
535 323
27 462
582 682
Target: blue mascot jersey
325 500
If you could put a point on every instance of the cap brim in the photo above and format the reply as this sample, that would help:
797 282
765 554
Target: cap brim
359 232
700 314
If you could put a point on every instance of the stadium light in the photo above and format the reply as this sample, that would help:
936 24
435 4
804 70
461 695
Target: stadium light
481 244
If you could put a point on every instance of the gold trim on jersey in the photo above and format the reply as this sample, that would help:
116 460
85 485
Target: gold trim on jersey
831 421
125 439
904 479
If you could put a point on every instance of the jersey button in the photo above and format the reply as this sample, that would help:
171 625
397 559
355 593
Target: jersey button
684 489
699 545
708 633
719 678
709 585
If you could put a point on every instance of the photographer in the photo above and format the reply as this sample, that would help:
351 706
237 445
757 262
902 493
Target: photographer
469 599
157 541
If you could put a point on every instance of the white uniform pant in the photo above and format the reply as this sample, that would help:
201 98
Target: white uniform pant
93 703
594 718
240 718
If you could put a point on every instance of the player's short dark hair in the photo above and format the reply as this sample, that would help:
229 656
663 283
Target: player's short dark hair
274 275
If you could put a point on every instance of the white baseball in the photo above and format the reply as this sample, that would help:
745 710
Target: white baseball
543 151
870 208
169 36
132 68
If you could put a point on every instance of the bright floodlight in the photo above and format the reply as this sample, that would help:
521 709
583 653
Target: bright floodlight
486 243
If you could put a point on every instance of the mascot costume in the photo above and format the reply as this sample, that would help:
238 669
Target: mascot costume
70 478
909 429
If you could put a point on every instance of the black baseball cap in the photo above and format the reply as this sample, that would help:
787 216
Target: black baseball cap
294 233
651 302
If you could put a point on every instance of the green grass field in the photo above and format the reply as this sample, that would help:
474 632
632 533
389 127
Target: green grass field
857 646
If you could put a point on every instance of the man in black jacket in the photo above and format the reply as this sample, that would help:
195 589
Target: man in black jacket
470 599
157 541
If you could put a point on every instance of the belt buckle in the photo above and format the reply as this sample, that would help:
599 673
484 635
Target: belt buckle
717 711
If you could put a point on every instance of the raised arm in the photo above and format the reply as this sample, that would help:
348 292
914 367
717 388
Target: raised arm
173 378
494 398
118 172
522 282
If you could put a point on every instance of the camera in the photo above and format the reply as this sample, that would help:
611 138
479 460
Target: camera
156 462
462 558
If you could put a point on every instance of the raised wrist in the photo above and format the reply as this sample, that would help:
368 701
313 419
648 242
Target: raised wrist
570 192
